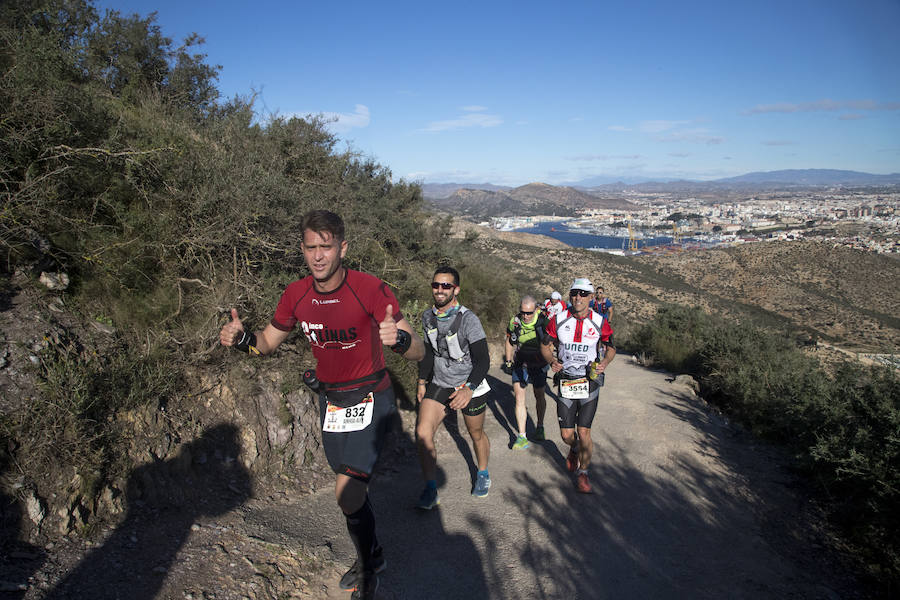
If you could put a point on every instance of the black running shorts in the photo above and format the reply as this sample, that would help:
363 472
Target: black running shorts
577 412
354 453
441 394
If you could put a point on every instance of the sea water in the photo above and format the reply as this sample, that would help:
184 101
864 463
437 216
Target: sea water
579 239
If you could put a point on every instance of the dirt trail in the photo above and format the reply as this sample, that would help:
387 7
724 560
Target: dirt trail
685 505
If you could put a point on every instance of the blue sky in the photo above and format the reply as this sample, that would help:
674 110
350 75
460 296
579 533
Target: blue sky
515 92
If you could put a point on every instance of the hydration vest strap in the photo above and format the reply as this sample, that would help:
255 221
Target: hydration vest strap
432 331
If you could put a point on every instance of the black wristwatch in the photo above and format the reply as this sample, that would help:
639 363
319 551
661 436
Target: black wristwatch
403 342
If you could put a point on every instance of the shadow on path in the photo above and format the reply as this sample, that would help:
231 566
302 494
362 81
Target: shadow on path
502 405
164 498
666 523
425 561
18 559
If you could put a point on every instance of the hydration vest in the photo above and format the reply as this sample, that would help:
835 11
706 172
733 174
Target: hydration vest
540 330
454 350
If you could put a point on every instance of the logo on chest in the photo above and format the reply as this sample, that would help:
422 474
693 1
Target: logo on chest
320 336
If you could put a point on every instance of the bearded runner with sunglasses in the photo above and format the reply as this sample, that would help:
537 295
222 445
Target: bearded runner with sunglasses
451 377
347 317
583 342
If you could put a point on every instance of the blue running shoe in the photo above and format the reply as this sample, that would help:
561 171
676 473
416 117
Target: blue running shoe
429 498
482 485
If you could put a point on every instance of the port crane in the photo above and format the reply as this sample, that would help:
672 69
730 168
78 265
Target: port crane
632 242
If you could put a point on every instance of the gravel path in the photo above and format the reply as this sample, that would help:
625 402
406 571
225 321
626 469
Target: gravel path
685 505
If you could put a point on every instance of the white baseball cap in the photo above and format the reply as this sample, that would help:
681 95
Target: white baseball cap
555 295
582 283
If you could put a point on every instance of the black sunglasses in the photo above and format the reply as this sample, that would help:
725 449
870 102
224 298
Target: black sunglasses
582 293
526 312
443 285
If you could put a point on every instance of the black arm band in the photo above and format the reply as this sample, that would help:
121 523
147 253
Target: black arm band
426 365
247 343
403 342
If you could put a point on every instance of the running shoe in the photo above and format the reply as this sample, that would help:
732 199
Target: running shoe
538 435
429 498
368 585
521 443
582 484
351 578
482 485
572 460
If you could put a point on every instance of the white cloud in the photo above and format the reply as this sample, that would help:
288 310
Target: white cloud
822 105
778 143
659 126
472 119
851 117
619 128
679 154
593 157
344 122
473 108
695 136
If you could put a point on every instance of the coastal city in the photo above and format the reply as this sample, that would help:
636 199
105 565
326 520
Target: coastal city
863 219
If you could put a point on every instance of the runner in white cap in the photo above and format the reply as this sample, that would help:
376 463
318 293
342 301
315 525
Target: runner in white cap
582 339
554 305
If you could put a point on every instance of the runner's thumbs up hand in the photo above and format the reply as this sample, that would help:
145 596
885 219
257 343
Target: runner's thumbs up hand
231 329
387 329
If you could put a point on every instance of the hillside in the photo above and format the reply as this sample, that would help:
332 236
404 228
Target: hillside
531 199
803 289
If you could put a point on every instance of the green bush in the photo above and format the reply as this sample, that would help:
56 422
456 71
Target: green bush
675 337
853 440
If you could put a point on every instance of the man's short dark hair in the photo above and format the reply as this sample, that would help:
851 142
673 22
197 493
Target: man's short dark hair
321 221
450 270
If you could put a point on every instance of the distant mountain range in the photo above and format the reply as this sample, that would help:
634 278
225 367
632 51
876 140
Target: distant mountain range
814 177
789 178
531 199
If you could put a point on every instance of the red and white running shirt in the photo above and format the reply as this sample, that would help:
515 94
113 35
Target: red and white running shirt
579 339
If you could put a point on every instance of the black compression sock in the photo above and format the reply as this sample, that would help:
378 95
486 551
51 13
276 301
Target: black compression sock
361 526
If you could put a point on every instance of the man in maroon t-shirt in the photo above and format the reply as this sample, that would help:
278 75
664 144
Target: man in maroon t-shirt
347 317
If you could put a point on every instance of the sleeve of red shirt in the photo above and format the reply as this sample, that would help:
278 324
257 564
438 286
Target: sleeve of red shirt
284 318
380 300
551 328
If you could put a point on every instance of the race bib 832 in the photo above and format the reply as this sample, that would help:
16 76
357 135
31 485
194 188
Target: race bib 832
350 418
